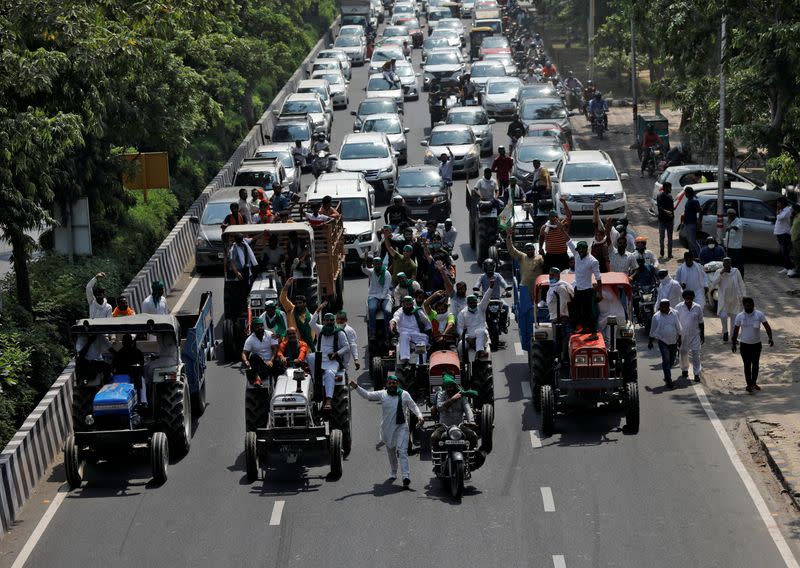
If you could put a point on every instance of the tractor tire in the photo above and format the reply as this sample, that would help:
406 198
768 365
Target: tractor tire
541 371
159 457
341 417
199 400
335 452
487 427
631 402
229 341
73 463
82 401
483 382
251 456
256 409
630 368
175 414
376 374
457 480
548 410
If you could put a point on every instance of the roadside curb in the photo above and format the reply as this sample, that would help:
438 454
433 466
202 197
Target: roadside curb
775 458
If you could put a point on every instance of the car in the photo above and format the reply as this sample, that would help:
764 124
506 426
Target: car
432 43
394 41
547 150
549 130
283 153
343 58
538 91
549 110
405 9
379 87
354 46
325 65
337 85
467 8
368 107
692 174
461 141
455 25
434 15
424 192
408 79
288 130
500 97
584 176
370 153
505 59
395 31
355 198
478 120
383 54
319 86
307 104
442 63
414 30
493 45
392 126
377 7
680 195
482 71
260 172
352 30
209 250
360 20
452 37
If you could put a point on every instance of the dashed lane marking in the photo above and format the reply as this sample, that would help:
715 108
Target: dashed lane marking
547 500
33 540
518 349
536 442
277 511
558 561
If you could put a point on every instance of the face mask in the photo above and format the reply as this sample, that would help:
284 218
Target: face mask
749 309
435 246
448 226
260 333
408 309
392 390
553 281
472 310
489 272
328 328
712 246
487 177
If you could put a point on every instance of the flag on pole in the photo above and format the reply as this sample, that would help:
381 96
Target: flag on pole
506 216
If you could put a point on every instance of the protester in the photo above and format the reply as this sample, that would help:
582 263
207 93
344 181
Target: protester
666 329
728 283
665 206
96 298
692 217
554 235
122 309
748 327
156 303
690 275
711 251
690 316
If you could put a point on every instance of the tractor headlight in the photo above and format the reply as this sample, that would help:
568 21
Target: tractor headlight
598 359
581 360
89 420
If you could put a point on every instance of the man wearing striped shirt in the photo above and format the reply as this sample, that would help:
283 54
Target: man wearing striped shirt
553 241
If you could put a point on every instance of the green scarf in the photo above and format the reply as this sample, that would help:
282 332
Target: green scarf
304 327
277 324
450 380
380 270
400 416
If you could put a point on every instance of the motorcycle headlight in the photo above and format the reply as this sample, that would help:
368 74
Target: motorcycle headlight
364 237
455 434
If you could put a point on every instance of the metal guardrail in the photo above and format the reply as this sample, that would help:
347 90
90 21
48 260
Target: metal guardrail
32 450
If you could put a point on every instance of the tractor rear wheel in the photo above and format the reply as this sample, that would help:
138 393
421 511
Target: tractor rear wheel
341 417
199 400
256 409
175 413
487 234
159 456
82 401
631 401
487 427
483 382
73 463
630 369
335 451
548 410
251 455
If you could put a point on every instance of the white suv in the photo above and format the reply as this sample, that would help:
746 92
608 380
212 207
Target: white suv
354 196
372 154
584 176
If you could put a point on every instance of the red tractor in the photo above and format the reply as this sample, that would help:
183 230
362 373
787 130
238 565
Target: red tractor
568 366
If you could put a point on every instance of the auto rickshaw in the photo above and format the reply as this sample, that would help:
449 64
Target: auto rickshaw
660 125
476 36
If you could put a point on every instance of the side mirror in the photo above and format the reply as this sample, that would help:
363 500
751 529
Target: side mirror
365 89
194 219
624 176
406 130
492 121
333 157
276 111
454 256
513 100
376 216
330 46
423 143
353 113
417 74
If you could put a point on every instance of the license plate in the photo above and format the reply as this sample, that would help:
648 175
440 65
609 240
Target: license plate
419 211
588 208
455 443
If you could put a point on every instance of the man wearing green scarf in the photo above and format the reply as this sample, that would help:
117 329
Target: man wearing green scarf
274 319
412 326
332 347
297 315
453 408
379 295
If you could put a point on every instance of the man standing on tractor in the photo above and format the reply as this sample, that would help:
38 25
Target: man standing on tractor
502 166
412 326
332 347
297 315
453 408
586 266
379 296
259 354
554 235
472 321
396 405
486 188
559 295
530 263
96 298
352 339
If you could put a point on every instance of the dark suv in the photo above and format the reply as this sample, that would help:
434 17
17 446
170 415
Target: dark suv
424 192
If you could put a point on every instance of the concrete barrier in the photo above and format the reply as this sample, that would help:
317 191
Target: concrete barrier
32 450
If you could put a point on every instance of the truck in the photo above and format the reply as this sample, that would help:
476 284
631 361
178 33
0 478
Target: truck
358 12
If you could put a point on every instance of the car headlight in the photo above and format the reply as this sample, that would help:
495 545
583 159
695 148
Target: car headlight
473 153
439 199
569 197
618 195
387 170
201 242
365 237
429 155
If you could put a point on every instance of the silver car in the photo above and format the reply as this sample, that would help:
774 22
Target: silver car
343 58
476 118
549 110
432 43
354 46
482 71
384 54
500 96
442 64
408 79
455 25
545 149
392 126
337 85
282 152
379 87
461 141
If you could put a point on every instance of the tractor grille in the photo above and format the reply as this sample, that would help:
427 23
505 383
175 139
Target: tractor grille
289 417
585 198
590 372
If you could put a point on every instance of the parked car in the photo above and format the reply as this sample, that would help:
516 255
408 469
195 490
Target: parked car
337 85
370 153
478 120
482 71
461 141
341 56
282 152
500 96
549 110
585 176
354 46
442 63
693 174
379 87
369 107
679 196
424 192
392 126
545 149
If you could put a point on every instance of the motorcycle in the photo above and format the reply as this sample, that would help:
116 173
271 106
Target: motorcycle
575 99
599 122
644 298
322 163
653 156
496 322
453 463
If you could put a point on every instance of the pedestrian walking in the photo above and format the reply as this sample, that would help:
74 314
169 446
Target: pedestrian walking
669 288
666 329
396 405
690 316
783 233
734 235
156 303
748 331
96 298
692 217
728 283
665 205
691 276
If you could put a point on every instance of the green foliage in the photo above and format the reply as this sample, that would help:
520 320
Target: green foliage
782 170
14 364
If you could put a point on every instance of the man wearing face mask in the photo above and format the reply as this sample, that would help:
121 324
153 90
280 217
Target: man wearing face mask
258 355
640 244
472 320
396 405
332 348
490 282
454 409
274 319
669 288
379 295
449 234
711 251
559 295
730 291
156 303
405 287
530 263
458 298
412 326
691 276
96 298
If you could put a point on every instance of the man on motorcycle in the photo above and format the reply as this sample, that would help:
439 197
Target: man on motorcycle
412 326
640 244
398 212
515 130
574 88
597 104
549 70
472 321
469 92
489 276
649 140
321 144
299 154
572 82
453 409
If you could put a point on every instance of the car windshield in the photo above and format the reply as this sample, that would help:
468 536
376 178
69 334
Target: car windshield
451 137
354 20
290 132
432 42
438 15
488 70
321 91
449 25
395 31
261 179
537 91
354 209
404 71
387 125
351 31
497 87
215 213
363 151
424 178
325 65
442 59
494 41
284 157
333 78
301 107
470 118
543 111
376 106
589 172
542 152
503 58
449 34
403 9
381 55
347 41
380 84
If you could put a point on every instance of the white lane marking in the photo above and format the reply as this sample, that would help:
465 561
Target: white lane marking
518 349
749 484
526 390
536 442
558 561
277 511
33 540
547 500
185 295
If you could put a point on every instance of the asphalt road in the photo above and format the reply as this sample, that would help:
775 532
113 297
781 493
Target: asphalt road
587 496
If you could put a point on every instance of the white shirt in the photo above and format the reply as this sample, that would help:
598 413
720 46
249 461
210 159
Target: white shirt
99 347
731 289
783 226
694 278
620 262
401 292
649 258
96 310
666 327
244 209
150 306
486 188
408 323
563 290
389 426
472 322
261 347
630 238
457 303
609 305
449 237
446 170
352 340
326 341
733 234
584 269
671 290
691 318
376 289
750 326
242 255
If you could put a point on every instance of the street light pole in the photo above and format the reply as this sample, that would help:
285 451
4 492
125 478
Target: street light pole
634 93
590 27
721 145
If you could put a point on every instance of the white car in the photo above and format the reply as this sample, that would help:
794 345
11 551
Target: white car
442 63
383 54
452 37
370 153
337 85
408 79
500 96
325 65
392 126
461 141
395 41
455 25
693 174
505 59
354 46
405 8
282 152
585 176
355 199
302 104
379 87
319 86
482 71
339 54
476 118
352 30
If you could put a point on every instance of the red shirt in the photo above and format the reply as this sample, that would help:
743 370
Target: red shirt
651 139
502 165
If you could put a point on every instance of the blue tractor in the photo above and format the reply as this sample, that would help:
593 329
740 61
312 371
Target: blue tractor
138 382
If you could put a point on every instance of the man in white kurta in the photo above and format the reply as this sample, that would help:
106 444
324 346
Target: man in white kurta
332 347
396 404
352 339
690 276
559 295
609 305
669 288
412 327
472 320
690 316
730 288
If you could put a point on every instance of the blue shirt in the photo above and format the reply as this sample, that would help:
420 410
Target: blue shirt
499 285
692 212
280 203
595 104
